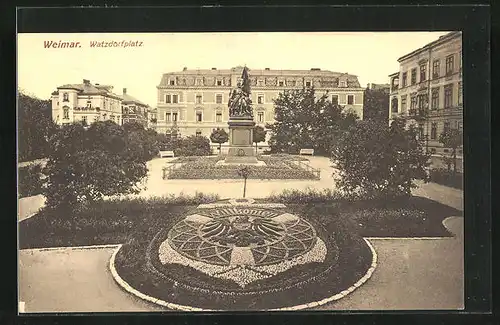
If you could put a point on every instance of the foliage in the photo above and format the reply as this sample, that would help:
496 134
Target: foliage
193 146
30 180
376 161
447 178
219 136
307 196
376 105
86 164
452 139
35 127
259 135
302 121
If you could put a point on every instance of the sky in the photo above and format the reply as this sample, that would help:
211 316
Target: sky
372 56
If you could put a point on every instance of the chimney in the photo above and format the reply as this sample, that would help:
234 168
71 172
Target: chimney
97 84
214 68
86 81
124 91
185 68
266 69
315 69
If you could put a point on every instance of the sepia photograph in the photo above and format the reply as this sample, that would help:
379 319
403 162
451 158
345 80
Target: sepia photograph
240 171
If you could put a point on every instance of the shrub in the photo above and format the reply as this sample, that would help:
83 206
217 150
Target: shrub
379 162
30 182
308 196
193 146
85 165
446 177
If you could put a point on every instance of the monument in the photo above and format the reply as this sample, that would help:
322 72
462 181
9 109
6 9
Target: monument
241 124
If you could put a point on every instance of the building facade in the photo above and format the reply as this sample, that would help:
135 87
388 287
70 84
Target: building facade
427 89
133 110
194 102
88 103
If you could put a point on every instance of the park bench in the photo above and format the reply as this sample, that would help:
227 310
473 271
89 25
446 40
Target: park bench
166 154
306 152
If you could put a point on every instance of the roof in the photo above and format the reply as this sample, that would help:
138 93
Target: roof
314 72
130 99
90 89
440 40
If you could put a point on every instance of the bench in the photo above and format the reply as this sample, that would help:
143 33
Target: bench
166 154
306 152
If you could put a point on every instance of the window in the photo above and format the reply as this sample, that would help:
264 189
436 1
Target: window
172 82
413 102
175 99
198 133
89 104
308 84
413 76
460 92
403 103
420 131
219 82
343 83
198 81
84 119
168 117
433 131
446 127
423 72
435 98
405 79
435 68
350 99
218 98
199 99
104 104
96 118
422 101
260 99
199 117
335 99
168 99
65 112
281 83
65 97
448 96
394 105
449 65
260 117
218 117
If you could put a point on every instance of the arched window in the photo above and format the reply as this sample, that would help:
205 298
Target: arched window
218 115
65 112
65 97
394 105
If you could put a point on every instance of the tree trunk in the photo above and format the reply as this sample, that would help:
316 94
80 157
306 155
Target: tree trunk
245 187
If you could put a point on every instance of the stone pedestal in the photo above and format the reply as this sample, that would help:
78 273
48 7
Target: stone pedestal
241 150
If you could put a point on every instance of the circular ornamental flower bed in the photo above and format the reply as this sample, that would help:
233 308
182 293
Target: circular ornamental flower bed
241 255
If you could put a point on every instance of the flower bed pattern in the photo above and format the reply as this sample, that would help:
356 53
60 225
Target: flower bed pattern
206 168
245 258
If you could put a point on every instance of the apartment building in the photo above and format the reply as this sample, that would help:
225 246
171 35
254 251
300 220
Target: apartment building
427 89
133 110
194 101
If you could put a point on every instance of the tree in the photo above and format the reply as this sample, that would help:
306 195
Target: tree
244 172
377 161
302 121
259 135
86 164
193 146
376 104
219 136
452 139
35 127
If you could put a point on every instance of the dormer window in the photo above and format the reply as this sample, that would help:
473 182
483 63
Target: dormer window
89 104
172 82
219 82
308 84
199 81
65 97
343 83
261 82
281 83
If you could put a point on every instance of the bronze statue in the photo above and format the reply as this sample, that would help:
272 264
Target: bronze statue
240 103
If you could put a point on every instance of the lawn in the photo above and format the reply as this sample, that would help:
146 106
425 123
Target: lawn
120 221
277 167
